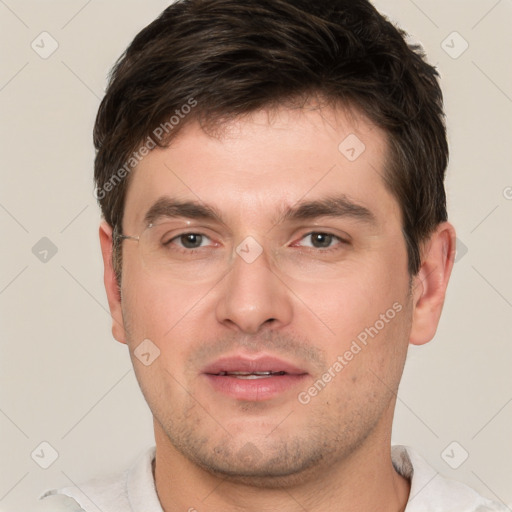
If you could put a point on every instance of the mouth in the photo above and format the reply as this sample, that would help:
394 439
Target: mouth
251 375
253 379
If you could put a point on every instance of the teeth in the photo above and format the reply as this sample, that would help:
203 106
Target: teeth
254 376
251 375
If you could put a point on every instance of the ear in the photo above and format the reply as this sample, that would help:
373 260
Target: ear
111 284
429 285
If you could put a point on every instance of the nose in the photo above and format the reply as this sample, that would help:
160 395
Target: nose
253 296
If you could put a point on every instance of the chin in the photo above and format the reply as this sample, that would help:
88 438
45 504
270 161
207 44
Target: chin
275 466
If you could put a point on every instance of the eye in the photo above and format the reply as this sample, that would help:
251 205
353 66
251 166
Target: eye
320 240
190 240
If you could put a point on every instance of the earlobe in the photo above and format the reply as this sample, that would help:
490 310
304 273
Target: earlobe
429 286
111 284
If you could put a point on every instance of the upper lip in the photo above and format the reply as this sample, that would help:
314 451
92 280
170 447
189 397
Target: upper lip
251 365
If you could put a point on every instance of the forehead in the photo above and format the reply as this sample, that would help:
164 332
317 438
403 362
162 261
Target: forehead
255 167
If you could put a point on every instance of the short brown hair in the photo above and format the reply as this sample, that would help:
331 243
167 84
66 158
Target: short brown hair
227 58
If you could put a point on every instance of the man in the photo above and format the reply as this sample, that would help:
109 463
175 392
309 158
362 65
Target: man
275 234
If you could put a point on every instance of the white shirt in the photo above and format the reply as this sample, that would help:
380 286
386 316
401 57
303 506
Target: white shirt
134 490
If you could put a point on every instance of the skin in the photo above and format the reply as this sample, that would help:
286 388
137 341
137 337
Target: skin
215 452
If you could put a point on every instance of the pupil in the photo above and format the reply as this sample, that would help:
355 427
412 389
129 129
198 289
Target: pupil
321 239
191 241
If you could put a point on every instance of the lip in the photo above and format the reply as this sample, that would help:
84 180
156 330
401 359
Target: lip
242 363
285 376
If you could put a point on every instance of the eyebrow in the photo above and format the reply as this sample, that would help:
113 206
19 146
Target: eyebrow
169 207
334 206
338 206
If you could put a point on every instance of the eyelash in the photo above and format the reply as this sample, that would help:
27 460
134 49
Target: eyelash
341 241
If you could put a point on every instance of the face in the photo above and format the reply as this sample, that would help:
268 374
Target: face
273 287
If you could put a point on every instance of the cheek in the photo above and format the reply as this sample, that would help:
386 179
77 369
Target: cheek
171 315
354 301
156 307
367 355
163 315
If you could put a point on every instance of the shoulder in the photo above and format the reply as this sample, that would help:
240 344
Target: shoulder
119 493
57 503
433 492
96 495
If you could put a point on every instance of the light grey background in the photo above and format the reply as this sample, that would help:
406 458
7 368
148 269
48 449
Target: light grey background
63 378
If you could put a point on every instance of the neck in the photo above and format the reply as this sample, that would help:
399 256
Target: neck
364 481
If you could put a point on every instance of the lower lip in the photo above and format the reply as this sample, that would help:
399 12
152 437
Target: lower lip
254 390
